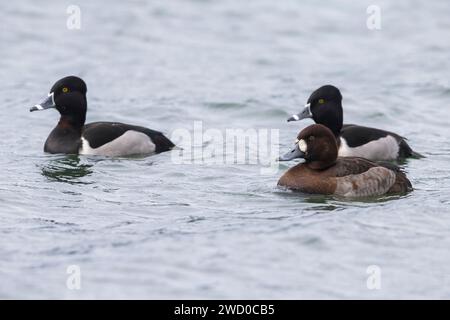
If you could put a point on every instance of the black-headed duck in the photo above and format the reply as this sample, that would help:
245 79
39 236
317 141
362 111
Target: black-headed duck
72 136
324 106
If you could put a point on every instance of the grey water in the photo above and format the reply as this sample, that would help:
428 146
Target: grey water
148 227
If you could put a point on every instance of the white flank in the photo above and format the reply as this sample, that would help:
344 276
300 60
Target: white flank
130 143
385 148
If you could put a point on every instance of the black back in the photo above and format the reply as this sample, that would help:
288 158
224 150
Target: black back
100 133
356 136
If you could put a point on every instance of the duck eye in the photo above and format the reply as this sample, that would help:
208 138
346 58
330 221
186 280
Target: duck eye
321 101
311 138
65 89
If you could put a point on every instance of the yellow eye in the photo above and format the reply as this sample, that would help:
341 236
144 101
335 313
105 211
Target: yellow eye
321 101
65 89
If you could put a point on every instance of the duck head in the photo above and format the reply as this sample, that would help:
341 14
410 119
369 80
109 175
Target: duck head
324 106
317 145
68 96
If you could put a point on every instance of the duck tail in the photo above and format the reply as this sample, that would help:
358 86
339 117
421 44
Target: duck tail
416 155
407 152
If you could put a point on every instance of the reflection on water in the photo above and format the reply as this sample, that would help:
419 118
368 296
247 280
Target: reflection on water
320 201
68 169
331 202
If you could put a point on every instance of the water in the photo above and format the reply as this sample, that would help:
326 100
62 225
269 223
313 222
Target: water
149 228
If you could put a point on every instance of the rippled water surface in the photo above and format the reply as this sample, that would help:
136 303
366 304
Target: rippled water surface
152 228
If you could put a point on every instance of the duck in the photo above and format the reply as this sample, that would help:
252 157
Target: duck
324 172
113 139
324 106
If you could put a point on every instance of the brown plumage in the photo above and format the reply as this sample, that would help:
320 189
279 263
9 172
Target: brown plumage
324 173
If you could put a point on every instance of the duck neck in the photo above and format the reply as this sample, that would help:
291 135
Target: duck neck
72 122
333 119
326 154
321 165
73 112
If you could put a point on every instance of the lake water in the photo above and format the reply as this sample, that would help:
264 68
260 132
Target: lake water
154 228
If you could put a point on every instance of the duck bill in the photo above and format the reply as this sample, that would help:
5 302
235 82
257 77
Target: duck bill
304 114
47 103
293 154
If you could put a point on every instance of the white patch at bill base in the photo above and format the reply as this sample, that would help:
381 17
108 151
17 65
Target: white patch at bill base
302 145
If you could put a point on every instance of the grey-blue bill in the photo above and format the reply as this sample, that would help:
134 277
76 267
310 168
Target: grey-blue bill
47 103
293 154
304 114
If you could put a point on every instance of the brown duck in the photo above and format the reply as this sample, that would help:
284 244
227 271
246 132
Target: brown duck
324 173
